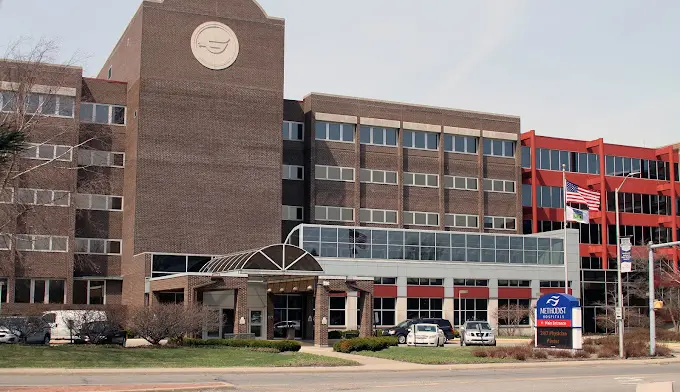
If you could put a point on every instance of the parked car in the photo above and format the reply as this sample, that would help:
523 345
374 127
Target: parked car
425 334
102 332
287 324
66 324
401 330
27 330
477 333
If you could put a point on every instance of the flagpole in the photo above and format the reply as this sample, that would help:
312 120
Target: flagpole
564 195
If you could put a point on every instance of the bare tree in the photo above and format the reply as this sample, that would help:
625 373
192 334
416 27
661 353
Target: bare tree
512 316
36 115
168 321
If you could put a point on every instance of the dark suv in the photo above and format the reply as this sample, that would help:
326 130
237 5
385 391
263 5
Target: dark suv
401 329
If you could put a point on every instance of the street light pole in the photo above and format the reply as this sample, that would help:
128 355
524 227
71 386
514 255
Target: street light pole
619 298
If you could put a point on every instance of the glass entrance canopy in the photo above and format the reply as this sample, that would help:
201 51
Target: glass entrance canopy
426 245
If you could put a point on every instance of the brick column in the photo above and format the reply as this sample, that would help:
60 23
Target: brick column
270 316
241 308
366 328
321 315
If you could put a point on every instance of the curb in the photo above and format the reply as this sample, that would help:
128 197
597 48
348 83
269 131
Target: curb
183 387
397 366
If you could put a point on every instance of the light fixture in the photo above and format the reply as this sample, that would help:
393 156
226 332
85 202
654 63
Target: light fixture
309 288
281 289
295 288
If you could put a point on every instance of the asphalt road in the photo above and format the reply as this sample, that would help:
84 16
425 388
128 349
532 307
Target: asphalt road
618 378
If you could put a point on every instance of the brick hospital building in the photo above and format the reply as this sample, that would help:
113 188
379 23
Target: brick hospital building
181 174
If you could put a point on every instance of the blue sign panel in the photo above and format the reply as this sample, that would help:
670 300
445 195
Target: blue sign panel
555 310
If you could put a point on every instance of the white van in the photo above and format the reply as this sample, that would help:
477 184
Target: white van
66 324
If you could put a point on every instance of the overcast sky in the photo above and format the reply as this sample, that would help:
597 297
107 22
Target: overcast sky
580 69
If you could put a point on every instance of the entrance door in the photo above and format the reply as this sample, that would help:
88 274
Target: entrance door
255 323
227 323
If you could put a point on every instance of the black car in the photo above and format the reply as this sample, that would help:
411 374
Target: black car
401 329
102 332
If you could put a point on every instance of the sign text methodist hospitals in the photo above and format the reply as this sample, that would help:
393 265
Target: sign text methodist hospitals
555 311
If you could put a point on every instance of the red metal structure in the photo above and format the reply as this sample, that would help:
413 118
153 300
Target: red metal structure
605 180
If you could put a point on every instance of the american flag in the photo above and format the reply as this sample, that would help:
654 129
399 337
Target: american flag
576 194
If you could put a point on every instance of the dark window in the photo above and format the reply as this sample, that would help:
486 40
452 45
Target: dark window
526 157
22 291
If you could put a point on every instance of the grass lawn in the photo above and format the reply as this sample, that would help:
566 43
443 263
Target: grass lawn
71 356
432 356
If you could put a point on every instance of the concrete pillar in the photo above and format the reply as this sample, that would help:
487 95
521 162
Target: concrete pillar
535 294
400 311
351 308
241 308
321 316
366 314
270 316
492 311
448 309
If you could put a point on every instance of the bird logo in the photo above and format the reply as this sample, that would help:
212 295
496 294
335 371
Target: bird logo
554 300
214 47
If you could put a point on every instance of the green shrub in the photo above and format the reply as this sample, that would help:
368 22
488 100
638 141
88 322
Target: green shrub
279 345
334 334
365 344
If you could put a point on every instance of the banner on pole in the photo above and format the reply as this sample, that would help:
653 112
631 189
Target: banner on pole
576 215
626 248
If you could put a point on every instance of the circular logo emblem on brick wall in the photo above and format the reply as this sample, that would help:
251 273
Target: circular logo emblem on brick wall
215 45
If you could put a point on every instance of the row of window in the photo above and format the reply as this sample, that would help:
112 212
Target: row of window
588 163
334 173
44 104
59 244
163 265
101 158
382 136
48 197
102 113
430 246
648 169
48 152
385 177
52 291
640 235
637 203
424 281
575 162
514 283
366 215
589 233
293 172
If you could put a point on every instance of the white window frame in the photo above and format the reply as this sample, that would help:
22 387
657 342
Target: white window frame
372 130
467 217
502 153
88 205
89 288
413 140
41 102
410 218
290 213
320 169
289 172
466 139
506 219
291 129
46 297
324 214
410 179
371 175
503 184
66 157
372 212
110 158
32 238
53 197
107 243
466 179
110 115
342 126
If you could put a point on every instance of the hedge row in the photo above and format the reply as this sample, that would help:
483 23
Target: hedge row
280 345
342 334
365 344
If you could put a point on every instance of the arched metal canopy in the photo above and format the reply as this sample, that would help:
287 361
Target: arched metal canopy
280 259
